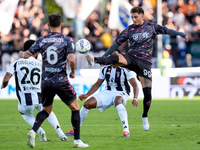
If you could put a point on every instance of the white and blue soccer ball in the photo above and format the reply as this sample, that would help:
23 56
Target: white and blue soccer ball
83 46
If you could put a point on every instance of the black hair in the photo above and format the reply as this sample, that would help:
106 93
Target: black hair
55 19
137 9
28 44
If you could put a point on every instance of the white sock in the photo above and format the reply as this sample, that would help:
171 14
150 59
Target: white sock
123 116
30 120
83 114
54 122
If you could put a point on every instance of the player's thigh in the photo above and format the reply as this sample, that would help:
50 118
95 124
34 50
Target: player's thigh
120 98
145 82
104 99
67 94
26 110
122 61
38 107
48 94
90 103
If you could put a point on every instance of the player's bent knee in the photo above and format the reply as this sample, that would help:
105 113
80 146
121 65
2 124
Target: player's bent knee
89 104
74 105
118 100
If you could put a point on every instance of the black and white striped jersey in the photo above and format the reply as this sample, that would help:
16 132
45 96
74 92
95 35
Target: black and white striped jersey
28 80
116 78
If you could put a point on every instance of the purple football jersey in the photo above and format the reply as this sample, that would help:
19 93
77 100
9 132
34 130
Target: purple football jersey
54 48
141 39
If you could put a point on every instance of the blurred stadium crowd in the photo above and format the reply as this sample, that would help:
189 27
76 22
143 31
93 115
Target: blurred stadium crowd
182 15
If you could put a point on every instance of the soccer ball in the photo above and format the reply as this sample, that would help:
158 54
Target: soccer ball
83 46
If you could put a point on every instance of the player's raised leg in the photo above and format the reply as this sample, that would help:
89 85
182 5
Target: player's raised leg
113 59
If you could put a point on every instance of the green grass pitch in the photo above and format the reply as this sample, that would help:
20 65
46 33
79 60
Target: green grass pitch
174 125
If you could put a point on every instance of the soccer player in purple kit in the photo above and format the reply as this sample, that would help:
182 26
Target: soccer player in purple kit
139 57
55 48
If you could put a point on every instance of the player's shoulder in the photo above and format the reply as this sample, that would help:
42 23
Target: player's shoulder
150 23
14 62
42 37
131 26
105 66
128 72
68 38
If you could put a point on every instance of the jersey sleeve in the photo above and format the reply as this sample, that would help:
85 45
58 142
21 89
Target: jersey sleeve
11 68
36 46
70 46
159 29
122 37
102 73
129 74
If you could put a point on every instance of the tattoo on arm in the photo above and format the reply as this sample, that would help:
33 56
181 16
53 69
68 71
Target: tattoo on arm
72 66
72 62
6 79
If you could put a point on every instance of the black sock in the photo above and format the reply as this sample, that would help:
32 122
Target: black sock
146 101
41 116
112 59
75 119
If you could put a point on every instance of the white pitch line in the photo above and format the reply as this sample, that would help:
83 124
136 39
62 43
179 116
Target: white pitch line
110 125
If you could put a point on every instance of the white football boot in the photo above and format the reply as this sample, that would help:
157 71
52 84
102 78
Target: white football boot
31 138
80 144
61 135
145 123
42 136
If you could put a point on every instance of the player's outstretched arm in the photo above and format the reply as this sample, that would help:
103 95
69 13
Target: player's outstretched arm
175 33
134 84
93 89
6 80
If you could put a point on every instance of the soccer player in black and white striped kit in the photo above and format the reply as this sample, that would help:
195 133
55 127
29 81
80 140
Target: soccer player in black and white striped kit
57 51
139 57
28 90
116 93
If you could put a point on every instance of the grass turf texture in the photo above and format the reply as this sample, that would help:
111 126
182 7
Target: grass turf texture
174 125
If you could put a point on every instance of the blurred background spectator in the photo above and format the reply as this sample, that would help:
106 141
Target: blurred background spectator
165 64
184 15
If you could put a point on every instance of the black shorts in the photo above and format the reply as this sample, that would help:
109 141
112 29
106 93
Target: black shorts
64 90
139 66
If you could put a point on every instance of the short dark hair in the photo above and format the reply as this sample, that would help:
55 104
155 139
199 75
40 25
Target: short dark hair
137 9
55 19
28 44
